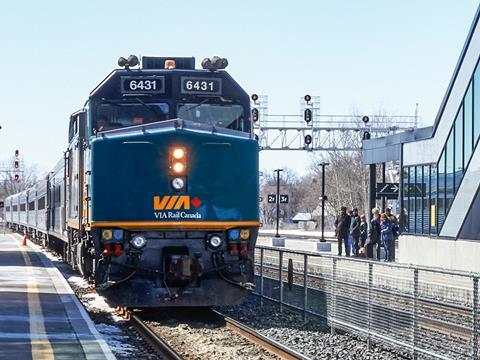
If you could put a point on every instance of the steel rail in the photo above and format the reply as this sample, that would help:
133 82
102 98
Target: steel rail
156 342
271 345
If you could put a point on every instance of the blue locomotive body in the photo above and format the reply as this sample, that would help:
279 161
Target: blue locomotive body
156 198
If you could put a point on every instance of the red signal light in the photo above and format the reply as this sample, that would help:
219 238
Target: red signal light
254 114
17 153
17 164
365 119
307 98
308 139
254 97
17 177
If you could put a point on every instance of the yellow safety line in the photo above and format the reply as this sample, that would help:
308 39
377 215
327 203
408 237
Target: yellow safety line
41 348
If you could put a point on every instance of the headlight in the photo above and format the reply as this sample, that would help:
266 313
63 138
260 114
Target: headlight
178 153
244 234
214 242
118 234
178 183
178 167
107 234
138 241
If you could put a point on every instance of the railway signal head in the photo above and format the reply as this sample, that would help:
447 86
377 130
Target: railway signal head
254 97
307 115
17 177
254 114
308 139
366 135
17 164
307 98
17 153
365 119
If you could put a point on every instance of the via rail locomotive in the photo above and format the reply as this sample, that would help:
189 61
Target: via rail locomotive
156 197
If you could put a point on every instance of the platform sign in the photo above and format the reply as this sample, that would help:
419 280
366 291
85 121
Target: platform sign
284 199
272 198
388 190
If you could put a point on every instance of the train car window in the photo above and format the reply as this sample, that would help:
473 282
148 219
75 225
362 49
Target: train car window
41 203
7 208
15 208
226 116
31 205
56 195
114 115
22 207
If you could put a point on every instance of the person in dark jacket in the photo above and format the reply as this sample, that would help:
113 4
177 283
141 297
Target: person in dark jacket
355 231
363 230
387 236
342 230
373 235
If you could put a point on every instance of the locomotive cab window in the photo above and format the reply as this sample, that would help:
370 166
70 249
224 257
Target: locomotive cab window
226 116
116 115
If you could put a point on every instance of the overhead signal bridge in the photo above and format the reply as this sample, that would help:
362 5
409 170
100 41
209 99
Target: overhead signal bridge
311 131
326 132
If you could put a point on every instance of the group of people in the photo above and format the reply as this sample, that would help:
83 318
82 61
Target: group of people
359 239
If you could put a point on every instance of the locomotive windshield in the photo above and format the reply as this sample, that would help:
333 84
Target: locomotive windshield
114 115
227 116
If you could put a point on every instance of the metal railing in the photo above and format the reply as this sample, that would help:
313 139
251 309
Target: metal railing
425 312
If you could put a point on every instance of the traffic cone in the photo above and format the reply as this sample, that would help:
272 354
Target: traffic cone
25 238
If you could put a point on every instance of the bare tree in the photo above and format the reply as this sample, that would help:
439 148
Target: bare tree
27 178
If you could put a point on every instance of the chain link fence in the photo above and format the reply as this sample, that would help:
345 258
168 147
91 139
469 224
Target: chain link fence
428 313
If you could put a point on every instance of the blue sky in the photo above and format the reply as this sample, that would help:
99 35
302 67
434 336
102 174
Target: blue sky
366 55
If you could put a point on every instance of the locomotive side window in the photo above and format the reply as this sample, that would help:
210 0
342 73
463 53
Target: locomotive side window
226 116
115 115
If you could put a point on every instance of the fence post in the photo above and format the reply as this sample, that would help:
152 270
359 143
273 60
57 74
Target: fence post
370 281
475 319
415 305
305 287
332 296
280 278
261 276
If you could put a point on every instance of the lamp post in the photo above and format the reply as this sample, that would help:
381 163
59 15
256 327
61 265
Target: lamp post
278 198
323 164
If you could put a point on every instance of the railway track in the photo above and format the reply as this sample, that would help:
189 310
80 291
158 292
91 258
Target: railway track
165 350
271 345
160 346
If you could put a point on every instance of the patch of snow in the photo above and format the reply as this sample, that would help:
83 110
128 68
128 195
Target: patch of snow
116 340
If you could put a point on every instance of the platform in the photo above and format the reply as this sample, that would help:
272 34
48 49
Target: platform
40 316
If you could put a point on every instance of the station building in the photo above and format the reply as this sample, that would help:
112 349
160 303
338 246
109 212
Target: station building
440 173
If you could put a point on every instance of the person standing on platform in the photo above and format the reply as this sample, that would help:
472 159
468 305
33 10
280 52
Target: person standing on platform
342 230
363 230
395 230
355 231
387 236
373 235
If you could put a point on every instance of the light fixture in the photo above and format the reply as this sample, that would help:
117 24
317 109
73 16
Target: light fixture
138 241
178 167
178 183
178 153
214 242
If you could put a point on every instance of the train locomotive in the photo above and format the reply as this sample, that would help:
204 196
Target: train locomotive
156 197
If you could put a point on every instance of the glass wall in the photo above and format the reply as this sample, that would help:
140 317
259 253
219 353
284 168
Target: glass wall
429 190
433 199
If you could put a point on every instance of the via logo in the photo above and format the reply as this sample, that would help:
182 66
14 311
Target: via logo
175 202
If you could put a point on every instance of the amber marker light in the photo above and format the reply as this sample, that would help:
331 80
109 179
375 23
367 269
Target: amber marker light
178 153
170 64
